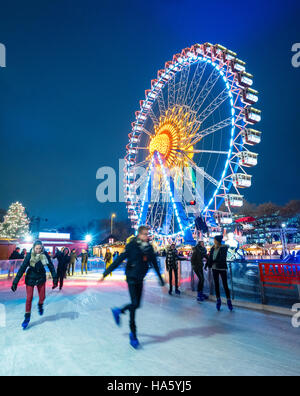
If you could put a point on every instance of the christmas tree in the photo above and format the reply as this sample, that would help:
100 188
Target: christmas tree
16 222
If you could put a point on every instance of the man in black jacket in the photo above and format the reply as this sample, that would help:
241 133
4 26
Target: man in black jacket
199 254
139 253
16 255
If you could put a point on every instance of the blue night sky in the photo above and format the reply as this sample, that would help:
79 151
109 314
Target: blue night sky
76 71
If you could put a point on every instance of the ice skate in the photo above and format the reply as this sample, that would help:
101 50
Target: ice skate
200 297
41 309
26 321
116 314
229 304
134 342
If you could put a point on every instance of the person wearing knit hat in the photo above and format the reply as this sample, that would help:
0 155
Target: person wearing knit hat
217 261
35 262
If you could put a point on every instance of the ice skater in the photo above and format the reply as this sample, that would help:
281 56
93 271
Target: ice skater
63 264
199 254
139 253
84 261
35 261
172 258
108 258
73 259
217 260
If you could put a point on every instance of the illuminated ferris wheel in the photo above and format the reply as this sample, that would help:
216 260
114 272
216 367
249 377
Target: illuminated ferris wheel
190 147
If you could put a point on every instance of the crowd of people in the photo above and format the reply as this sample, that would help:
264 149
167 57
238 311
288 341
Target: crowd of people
140 256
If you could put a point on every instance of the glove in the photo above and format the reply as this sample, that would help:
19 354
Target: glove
14 287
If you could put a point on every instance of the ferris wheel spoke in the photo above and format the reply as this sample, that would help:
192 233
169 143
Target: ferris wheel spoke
206 89
184 78
214 105
161 103
196 81
153 117
206 151
140 181
147 132
211 129
140 164
171 92
202 171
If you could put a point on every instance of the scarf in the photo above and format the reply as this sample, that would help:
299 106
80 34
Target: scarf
144 246
35 258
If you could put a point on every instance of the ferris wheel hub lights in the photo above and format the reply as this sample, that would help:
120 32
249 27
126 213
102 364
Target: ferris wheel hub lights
160 143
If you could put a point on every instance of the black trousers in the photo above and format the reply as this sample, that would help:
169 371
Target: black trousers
223 274
71 267
84 266
200 275
171 278
61 272
135 290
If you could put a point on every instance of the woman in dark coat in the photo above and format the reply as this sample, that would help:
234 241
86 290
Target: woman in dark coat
63 259
199 254
172 259
35 263
217 261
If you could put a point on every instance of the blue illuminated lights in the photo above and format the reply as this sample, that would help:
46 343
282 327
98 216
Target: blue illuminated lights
145 193
170 193
157 87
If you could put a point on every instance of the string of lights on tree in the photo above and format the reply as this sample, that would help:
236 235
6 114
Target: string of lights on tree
16 222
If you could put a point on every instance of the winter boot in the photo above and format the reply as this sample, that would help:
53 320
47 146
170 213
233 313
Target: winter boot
229 304
26 321
177 291
200 297
41 309
219 303
116 314
134 342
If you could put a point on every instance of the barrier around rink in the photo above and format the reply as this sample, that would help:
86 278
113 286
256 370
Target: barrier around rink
266 283
9 268
247 284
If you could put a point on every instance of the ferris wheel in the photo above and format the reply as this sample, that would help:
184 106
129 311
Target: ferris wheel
190 147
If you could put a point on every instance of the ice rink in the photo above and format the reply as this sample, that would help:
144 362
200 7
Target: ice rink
77 335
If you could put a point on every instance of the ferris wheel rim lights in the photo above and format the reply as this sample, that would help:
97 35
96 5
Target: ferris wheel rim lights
190 58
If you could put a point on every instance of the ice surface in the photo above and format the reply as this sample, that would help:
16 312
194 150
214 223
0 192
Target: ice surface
77 336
